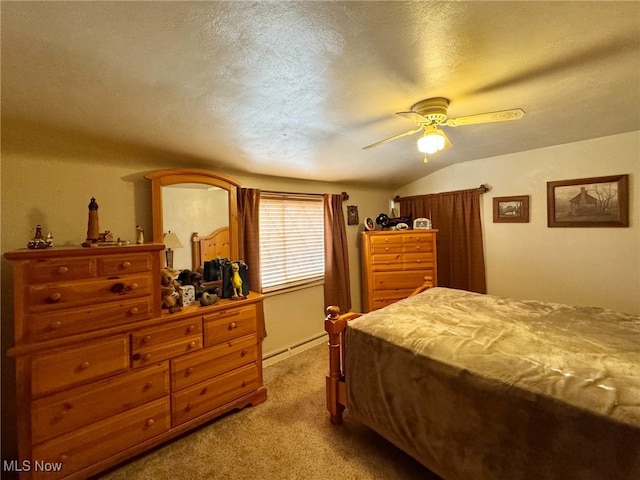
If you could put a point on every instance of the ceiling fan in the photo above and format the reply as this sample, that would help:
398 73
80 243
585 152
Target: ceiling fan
431 113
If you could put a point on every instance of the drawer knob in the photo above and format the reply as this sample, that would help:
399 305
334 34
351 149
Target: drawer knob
64 457
189 371
243 352
134 311
191 345
56 325
150 422
133 286
192 328
84 365
63 270
55 297
148 385
126 264
232 325
146 357
146 339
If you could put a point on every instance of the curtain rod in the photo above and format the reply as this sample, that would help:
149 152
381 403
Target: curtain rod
482 189
345 195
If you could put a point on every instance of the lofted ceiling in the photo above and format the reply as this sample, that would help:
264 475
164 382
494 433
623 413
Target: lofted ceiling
296 89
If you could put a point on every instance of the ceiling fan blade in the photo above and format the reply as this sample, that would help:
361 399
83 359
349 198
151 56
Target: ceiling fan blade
410 132
502 116
413 116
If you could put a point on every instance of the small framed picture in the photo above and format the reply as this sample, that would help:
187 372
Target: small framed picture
352 215
422 224
589 202
511 209
368 224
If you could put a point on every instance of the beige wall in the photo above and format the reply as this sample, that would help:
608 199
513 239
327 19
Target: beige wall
581 266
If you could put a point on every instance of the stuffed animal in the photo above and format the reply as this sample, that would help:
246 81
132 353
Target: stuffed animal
208 299
236 282
170 291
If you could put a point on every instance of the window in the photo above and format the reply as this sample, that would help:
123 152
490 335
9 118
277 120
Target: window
291 240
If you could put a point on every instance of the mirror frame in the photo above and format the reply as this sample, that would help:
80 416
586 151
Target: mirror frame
162 178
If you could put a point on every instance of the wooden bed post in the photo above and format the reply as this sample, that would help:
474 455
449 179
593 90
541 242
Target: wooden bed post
334 326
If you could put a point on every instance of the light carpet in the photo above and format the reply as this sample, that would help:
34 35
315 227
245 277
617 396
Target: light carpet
287 437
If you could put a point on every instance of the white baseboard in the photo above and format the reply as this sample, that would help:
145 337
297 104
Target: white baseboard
276 357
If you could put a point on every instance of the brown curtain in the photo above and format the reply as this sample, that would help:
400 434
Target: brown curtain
456 216
249 235
337 290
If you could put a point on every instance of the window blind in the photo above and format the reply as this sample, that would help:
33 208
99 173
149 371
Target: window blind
291 240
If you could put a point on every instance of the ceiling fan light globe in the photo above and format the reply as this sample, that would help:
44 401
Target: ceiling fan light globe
431 143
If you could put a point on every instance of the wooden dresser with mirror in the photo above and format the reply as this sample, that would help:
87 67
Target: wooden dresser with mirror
102 372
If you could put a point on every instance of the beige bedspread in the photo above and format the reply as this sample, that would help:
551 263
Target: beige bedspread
483 387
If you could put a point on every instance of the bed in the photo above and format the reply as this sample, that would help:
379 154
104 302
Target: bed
480 387
209 247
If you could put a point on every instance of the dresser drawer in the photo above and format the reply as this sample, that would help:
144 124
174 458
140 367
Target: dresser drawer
406 280
65 295
414 238
66 367
190 369
166 341
229 324
67 411
387 261
206 396
60 270
101 440
122 264
415 247
88 318
419 261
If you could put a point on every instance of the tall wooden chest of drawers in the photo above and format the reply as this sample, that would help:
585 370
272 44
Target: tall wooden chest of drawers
103 373
394 264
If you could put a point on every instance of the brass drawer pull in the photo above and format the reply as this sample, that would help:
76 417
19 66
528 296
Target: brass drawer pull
55 297
63 270
150 422
233 325
126 264
133 286
134 311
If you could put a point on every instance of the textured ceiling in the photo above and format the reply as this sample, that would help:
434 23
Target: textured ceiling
296 89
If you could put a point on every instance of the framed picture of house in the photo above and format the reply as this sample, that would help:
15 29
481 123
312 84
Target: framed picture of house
589 202
511 209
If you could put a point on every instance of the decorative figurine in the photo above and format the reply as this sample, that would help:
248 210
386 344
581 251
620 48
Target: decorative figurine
38 241
93 229
236 282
